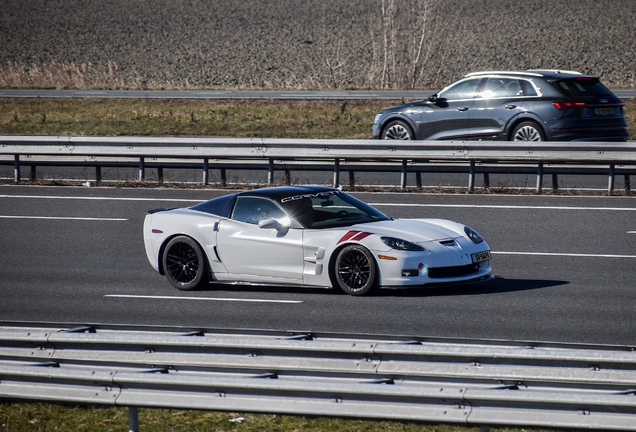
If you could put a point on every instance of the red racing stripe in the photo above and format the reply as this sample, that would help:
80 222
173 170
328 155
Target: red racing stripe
347 236
360 236
353 235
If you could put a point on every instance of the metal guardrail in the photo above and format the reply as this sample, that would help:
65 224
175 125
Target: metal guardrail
470 382
417 157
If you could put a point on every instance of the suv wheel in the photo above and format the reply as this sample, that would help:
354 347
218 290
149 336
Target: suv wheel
397 130
528 131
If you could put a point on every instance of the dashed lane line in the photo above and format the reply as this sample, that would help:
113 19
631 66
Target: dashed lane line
564 254
247 300
63 218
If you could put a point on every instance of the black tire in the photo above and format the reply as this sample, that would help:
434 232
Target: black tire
355 271
528 131
184 264
397 130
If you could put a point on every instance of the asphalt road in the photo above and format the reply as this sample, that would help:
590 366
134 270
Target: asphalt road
243 94
564 270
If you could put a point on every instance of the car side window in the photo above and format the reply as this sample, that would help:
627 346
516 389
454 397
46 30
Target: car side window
496 87
253 210
528 88
461 90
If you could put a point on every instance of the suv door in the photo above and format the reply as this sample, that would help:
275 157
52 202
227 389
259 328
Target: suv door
447 115
499 101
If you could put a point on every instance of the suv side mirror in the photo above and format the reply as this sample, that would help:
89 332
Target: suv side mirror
433 98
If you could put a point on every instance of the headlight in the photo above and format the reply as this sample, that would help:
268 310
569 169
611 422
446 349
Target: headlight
377 118
472 234
399 244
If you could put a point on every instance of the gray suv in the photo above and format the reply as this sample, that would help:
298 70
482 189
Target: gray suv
533 105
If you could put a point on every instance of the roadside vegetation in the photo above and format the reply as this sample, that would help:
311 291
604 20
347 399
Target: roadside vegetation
36 417
200 117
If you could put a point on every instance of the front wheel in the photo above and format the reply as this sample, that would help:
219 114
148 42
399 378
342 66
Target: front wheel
355 271
397 130
528 131
184 264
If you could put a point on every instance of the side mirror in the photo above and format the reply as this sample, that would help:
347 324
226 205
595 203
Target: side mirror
273 224
433 98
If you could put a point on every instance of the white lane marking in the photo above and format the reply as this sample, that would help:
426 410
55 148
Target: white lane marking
564 254
631 232
99 198
503 206
522 207
62 218
203 298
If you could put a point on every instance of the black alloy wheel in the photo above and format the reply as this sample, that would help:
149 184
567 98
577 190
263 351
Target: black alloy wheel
355 270
184 264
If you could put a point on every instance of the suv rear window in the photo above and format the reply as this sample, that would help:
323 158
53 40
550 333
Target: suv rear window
582 87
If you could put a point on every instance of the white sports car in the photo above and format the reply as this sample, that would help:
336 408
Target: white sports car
310 236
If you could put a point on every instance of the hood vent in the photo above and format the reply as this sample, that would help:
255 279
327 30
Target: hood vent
449 243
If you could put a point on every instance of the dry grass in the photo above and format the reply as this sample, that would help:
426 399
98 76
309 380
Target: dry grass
200 117
27 417
164 117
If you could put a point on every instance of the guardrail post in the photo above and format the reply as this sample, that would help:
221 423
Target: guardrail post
206 168
270 172
142 169
16 168
352 178
403 176
223 177
471 177
287 175
160 174
336 173
555 182
611 179
33 172
98 174
133 419
539 178
628 185
418 180
486 180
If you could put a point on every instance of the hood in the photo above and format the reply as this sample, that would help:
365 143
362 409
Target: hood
415 230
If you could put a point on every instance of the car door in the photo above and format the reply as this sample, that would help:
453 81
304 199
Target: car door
260 254
448 114
499 101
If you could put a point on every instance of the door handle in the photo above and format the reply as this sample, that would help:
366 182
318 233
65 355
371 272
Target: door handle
509 107
462 109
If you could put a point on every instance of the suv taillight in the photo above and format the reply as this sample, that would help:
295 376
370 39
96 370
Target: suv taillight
563 106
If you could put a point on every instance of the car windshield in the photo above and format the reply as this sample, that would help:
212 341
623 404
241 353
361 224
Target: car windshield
330 209
583 87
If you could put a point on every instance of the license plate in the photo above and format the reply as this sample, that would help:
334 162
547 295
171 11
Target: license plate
604 111
481 256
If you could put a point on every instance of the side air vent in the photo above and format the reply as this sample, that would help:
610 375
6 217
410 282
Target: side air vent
448 243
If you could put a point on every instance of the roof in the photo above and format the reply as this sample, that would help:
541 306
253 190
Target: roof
280 192
546 73
223 206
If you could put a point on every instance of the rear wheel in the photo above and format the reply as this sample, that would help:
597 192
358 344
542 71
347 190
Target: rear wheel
397 130
528 131
184 264
355 271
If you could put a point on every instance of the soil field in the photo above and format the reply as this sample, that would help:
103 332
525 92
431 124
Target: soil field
307 44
